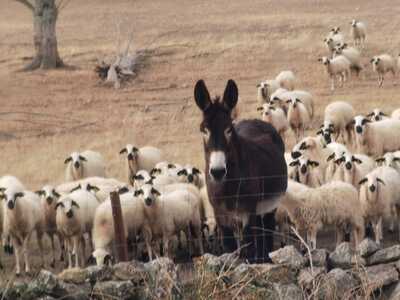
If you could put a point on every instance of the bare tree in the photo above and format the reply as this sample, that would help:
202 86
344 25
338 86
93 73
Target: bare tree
45 14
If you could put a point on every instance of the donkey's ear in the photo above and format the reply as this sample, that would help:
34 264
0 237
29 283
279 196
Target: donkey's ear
201 95
231 95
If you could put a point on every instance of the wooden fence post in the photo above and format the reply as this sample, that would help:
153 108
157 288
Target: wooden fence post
120 238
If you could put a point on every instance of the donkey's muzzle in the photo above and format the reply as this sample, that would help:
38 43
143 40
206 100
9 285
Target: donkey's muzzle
218 173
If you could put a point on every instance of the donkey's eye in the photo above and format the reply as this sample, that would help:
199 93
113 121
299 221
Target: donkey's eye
228 131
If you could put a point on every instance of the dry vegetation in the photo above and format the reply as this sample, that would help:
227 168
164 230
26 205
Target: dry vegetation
46 115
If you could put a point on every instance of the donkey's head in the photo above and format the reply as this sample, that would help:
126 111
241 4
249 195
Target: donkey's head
217 127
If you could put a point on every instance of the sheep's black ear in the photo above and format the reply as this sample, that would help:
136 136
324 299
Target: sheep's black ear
370 115
150 181
380 180
73 203
195 171
108 260
93 188
182 172
135 150
67 160
82 158
364 121
123 150
138 177
231 95
260 108
155 192
59 204
56 194
171 166
320 132
355 159
303 146
362 181
123 190
2 189
396 159
298 100
380 160
313 163
382 114
202 96
272 108
258 85
294 163
78 187
138 193
91 260
19 194
40 192
371 61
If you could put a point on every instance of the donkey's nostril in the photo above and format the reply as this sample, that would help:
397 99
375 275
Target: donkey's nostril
218 174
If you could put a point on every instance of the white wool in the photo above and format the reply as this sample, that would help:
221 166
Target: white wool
332 172
390 159
339 114
90 164
276 117
383 64
338 66
298 117
396 114
377 115
283 97
352 54
358 33
286 80
265 89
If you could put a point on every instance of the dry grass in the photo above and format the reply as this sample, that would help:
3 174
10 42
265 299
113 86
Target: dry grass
186 40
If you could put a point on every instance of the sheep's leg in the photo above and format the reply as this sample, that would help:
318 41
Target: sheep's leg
62 246
17 247
380 80
166 245
53 250
39 235
82 248
25 246
69 251
312 238
75 249
339 235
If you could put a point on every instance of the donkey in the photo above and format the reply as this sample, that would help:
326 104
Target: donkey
245 172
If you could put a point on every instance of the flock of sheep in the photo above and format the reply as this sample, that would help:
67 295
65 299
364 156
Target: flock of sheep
348 175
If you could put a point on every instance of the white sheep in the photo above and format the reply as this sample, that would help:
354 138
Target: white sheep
276 117
337 118
85 164
333 172
358 33
396 114
103 233
354 167
352 54
23 216
390 159
377 115
308 172
338 66
49 197
286 80
140 178
291 169
283 97
193 175
265 89
144 158
380 196
74 218
334 38
334 203
298 117
378 137
171 213
383 64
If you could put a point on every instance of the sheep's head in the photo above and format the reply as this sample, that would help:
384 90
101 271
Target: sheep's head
324 60
375 61
304 166
326 131
389 159
306 144
372 183
49 194
131 152
67 205
263 87
189 174
348 161
101 257
376 115
335 30
143 176
76 159
353 23
10 196
359 123
293 102
148 194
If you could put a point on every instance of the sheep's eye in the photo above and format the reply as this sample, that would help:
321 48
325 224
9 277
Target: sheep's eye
228 132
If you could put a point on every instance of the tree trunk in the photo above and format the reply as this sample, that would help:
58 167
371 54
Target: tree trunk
45 15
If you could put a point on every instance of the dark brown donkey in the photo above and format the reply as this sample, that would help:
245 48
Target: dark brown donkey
245 171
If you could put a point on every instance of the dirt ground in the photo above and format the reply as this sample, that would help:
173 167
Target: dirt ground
46 115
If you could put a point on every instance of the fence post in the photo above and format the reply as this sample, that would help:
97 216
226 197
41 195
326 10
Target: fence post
120 238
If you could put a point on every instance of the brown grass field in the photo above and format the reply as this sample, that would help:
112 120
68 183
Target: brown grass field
46 115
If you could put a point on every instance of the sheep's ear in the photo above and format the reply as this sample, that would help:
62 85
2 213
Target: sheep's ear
355 159
67 160
371 61
155 192
82 158
135 150
19 194
319 132
40 192
138 193
93 188
320 59
73 203
303 146
380 160
195 171
153 171
150 181
396 159
272 108
258 85
2 189
383 114
370 115
182 173
123 190
288 101
202 96
380 180
298 100
362 181
365 121
313 163
58 205
78 187
123 150
260 108
294 163
231 95
138 177
171 166
56 194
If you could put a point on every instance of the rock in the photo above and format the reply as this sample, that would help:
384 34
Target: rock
163 277
264 274
116 290
380 275
384 255
132 270
44 284
218 264
336 285
288 291
319 257
306 277
393 292
288 255
76 292
367 247
17 290
342 257
90 274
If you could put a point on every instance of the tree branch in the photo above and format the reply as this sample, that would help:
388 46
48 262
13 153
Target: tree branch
27 4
